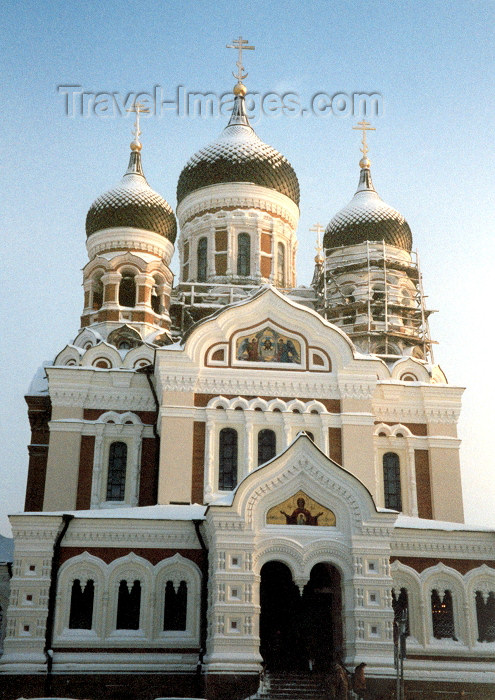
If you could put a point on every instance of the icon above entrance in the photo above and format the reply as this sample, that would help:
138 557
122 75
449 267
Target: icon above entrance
300 509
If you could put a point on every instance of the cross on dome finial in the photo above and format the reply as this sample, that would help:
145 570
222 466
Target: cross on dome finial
318 228
241 45
138 108
364 126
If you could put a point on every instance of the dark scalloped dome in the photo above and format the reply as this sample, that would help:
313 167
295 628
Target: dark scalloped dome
132 203
238 155
367 218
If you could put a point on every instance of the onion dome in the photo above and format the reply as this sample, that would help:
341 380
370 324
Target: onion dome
367 218
238 155
132 204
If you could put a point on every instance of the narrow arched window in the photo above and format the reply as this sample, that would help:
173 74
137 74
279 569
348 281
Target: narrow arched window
81 605
97 292
267 445
485 616
243 255
117 465
202 259
227 463
281 265
155 295
129 605
442 614
175 613
391 481
127 290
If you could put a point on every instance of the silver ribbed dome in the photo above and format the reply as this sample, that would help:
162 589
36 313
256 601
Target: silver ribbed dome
132 203
238 155
367 218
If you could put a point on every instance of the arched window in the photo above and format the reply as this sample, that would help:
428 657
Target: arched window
243 254
175 614
81 605
391 481
442 615
127 290
129 605
97 292
485 615
280 265
267 445
117 464
202 259
349 314
155 295
310 435
227 462
378 302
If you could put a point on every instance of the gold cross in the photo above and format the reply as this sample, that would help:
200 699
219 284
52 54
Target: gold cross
139 109
241 45
317 228
364 126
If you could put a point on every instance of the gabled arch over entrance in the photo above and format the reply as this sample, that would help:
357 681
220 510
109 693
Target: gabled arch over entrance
300 632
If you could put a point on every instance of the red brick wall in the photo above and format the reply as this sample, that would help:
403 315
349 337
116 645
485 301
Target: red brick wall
148 484
39 413
423 485
86 458
335 439
198 462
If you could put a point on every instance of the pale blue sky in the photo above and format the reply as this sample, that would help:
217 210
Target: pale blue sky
432 158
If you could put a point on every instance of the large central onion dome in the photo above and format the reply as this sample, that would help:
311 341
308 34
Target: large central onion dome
238 155
367 218
132 204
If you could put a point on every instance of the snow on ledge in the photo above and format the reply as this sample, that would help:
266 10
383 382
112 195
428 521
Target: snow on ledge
408 521
166 512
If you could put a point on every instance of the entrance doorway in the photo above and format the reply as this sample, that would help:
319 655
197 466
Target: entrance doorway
295 629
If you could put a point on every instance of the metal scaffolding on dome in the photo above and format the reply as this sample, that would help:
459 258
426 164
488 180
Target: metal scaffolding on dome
383 311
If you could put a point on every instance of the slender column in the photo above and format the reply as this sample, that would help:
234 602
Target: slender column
249 444
256 252
231 250
413 492
210 272
96 483
210 485
144 285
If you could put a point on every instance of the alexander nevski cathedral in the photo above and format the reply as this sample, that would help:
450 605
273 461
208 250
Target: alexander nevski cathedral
236 480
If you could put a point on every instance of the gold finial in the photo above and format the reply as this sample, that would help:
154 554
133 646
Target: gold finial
241 45
364 126
136 132
318 228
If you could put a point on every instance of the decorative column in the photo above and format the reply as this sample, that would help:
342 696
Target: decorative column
144 285
256 252
210 485
111 281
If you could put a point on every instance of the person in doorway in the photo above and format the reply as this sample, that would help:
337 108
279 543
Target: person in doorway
359 681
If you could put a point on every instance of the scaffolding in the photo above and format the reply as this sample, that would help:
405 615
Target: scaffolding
383 311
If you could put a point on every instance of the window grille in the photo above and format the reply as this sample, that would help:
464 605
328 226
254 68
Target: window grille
391 481
117 465
227 478
267 445
442 613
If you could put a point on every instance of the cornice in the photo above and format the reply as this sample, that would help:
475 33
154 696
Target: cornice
241 195
467 545
129 239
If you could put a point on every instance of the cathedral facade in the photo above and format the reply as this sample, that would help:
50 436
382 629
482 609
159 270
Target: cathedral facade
236 474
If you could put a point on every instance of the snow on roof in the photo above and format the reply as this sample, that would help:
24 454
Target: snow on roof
407 521
39 383
6 549
168 512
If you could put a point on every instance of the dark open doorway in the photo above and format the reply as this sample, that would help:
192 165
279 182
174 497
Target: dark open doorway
295 629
